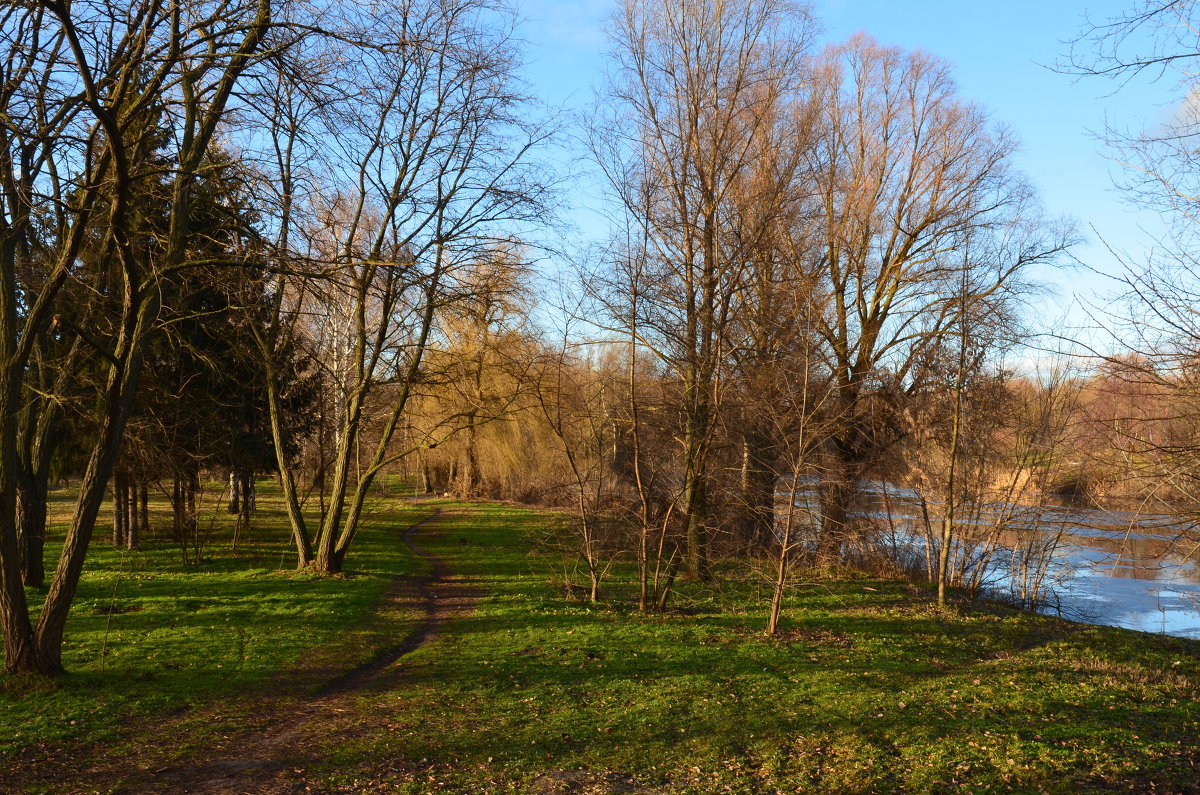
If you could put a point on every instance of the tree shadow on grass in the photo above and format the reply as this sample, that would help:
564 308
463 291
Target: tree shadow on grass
858 696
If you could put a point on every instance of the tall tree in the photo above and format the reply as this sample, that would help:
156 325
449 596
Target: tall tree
430 168
692 90
906 174
88 82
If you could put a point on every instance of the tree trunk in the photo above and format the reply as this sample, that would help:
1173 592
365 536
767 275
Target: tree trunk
119 395
234 493
594 594
291 500
145 518
19 646
695 500
470 476
131 520
758 494
644 568
665 594
695 497
31 527
249 498
777 594
120 493
785 551
950 494
191 486
177 509
835 495
248 502
183 509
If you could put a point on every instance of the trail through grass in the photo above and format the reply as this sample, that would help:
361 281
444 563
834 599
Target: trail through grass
149 635
869 689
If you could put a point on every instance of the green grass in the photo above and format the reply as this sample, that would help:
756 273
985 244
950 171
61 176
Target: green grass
867 691
149 635
869 688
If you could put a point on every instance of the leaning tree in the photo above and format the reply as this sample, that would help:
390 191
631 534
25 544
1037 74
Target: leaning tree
88 88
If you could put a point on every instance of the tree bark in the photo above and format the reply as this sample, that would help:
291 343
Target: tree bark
234 491
120 391
131 521
695 500
836 492
32 491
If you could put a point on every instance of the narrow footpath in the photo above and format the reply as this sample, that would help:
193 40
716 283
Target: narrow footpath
271 751
273 758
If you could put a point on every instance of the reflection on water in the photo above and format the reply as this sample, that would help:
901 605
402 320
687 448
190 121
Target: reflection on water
1138 586
1113 568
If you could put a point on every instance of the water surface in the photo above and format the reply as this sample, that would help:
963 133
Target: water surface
1116 568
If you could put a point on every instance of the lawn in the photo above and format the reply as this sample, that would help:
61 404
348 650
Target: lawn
868 688
149 635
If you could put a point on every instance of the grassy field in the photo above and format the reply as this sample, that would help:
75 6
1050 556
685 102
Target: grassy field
869 688
149 635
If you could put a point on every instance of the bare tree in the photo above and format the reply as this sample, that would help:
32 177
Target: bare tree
995 523
798 417
772 338
575 399
91 89
429 169
906 173
1160 37
1155 332
482 372
648 465
692 90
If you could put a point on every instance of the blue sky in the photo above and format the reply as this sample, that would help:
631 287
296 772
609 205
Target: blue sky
1000 51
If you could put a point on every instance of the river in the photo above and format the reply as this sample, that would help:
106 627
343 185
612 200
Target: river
1116 568
1125 570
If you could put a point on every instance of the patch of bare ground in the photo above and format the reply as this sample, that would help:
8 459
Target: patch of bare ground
272 739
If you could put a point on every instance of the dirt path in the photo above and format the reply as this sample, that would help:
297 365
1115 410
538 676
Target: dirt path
274 756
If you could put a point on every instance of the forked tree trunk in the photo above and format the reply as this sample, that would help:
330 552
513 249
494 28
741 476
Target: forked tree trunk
664 595
41 651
